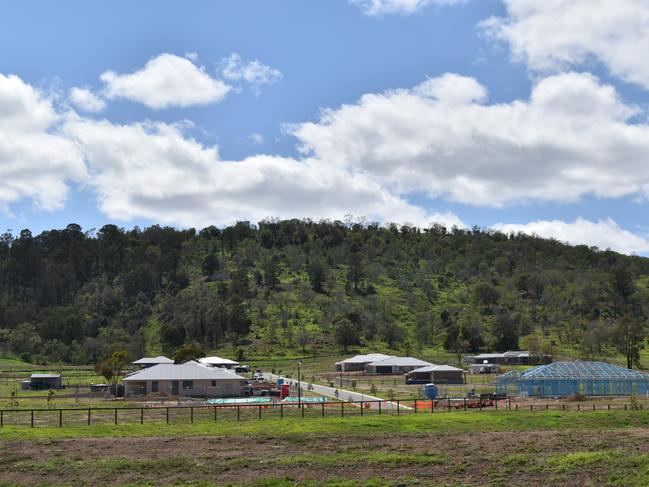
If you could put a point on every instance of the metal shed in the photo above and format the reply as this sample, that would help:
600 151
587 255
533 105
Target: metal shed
45 381
565 378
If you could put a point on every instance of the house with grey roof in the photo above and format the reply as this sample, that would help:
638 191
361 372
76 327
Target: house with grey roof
395 365
436 374
146 362
357 363
190 379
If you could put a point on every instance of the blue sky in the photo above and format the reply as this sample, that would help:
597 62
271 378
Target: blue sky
500 113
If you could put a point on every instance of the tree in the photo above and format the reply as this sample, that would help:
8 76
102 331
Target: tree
505 331
629 333
210 264
346 333
317 274
485 296
422 330
188 352
111 368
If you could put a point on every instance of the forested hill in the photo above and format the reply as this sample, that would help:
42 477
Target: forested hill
300 287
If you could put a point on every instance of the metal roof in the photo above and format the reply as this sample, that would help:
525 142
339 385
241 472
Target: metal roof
437 368
188 371
365 359
582 370
45 376
517 353
214 360
160 359
400 362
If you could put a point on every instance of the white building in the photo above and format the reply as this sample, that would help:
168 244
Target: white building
215 361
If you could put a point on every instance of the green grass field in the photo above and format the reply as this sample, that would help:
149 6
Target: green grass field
450 449
454 422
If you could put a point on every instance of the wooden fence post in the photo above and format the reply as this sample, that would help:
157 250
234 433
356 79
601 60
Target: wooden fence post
215 414
141 415
89 416
60 418
167 415
115 415
32 421
191 415
238 413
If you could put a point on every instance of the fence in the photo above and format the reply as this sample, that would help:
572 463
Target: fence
59 417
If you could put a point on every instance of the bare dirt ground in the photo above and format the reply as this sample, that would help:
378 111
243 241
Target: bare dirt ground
502 458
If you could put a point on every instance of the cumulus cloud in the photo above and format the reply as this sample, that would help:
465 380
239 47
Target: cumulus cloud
36 162
558 34
86 100
154 171
166 80
255 73
605 234
570 138
406 7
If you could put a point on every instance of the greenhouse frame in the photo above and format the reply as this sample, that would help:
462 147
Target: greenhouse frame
565 378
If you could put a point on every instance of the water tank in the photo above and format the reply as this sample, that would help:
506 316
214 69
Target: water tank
430 391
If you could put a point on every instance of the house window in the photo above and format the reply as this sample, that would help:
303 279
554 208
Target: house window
213 383
188 384
154 386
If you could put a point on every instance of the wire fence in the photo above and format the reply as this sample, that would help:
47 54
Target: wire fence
60 417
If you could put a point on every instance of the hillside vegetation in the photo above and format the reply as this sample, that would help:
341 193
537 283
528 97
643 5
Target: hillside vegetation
290 288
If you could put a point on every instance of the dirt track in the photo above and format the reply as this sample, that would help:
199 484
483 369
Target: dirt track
464 459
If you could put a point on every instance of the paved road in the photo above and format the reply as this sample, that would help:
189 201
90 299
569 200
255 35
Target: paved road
343 395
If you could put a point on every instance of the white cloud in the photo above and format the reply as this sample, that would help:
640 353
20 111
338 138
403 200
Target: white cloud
406 7
35 161
166 80
572 137
86 100
153 171
604 234
554 34
256 139
255 73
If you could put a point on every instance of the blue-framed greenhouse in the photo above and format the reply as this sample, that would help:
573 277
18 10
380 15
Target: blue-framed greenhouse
566 378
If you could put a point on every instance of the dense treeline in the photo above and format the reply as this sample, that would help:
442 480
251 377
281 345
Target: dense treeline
74 296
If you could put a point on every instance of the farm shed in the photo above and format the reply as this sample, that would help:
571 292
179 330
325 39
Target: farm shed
215 361
436 374
518 357
357 363
190 379
395 365
45 381
565 378
146 362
